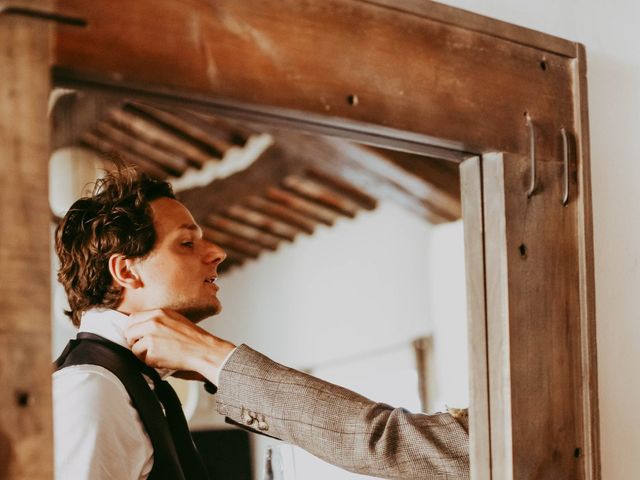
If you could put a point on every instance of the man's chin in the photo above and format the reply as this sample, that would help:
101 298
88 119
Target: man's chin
198 313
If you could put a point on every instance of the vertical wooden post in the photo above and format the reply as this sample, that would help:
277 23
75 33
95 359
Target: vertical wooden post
472 214
25 358
533 321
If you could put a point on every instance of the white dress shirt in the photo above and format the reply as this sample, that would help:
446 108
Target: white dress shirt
98 434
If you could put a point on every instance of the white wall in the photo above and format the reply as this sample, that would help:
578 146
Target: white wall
346 303
609 29
359 286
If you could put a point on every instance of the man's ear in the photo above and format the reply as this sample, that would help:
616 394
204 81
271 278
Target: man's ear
124 272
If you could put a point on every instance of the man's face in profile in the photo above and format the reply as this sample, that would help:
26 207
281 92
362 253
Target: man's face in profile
180 271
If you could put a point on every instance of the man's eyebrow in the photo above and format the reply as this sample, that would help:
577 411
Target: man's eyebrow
192 227
189 226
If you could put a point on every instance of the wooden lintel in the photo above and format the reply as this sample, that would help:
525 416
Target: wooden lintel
482 25
423 95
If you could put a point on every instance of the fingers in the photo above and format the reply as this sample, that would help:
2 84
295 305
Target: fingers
165 339
140 350
139 330
151 322
150 351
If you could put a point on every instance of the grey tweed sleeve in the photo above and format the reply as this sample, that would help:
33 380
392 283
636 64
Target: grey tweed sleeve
341 426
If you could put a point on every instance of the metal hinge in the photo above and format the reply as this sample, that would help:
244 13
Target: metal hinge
21 10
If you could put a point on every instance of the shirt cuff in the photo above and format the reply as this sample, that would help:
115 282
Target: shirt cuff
223 364
213 388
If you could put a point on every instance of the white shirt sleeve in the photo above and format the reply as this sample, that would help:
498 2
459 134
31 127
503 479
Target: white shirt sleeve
98 433
224 362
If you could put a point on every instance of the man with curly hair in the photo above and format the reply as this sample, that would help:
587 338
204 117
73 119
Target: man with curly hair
129 247
139 275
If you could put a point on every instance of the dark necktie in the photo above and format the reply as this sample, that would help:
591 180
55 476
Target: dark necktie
188 456
190 459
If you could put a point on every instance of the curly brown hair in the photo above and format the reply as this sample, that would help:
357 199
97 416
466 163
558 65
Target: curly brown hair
115 218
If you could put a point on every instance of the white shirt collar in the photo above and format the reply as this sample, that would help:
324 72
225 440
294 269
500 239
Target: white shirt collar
111 324
107 323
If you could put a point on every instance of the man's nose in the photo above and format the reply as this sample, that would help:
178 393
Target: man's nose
215 254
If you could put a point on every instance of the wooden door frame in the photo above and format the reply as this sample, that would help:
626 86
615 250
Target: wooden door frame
427 78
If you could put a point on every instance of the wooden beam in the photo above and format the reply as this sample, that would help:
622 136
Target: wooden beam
175 164
287 215
236 131
108 149
26 438
160 137
186 123
373 173
232 243
479 393
76 112
364 175
302 206
420 97
262 222
264 240
334 183
273 165
475 22
441 178
533 323
320 194
584 205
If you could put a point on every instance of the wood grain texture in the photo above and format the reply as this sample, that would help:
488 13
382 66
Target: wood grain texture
339 177
441 176
277 211
533 311
25 400
350 64
583 199
479 394
26 440
481 24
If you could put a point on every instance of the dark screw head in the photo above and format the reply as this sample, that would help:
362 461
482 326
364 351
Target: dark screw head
523 250
23 399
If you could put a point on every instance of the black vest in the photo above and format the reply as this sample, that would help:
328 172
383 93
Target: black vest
173 458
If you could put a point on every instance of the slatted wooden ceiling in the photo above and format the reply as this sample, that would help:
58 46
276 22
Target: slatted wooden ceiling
294 185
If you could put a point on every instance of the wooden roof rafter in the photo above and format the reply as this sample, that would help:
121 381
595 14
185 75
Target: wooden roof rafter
297 184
